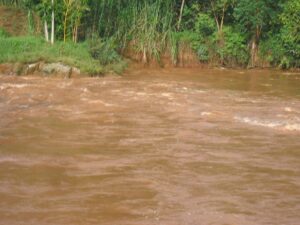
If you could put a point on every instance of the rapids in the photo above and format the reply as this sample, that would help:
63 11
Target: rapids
169 147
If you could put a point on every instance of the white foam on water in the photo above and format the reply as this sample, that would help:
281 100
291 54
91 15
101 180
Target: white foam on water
100 102
292 127
141 93
8 85
205 113
165 94
64 84
282 125
288 109
84 90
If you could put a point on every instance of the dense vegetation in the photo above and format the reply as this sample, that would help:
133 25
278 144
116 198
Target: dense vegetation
223 32
33 49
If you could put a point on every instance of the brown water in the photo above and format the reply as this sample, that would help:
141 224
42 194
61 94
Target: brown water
181 147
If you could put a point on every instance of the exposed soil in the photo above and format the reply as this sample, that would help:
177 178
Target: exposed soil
15 21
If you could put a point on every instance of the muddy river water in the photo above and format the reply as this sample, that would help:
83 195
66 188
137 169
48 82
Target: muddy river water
161 147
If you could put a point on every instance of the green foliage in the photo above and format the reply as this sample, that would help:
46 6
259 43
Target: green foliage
104 51
203 52
234 51
204 25
252 14
32 49
290 32
189 37
219 31
189 14
3 33
272 50
195 41
150 28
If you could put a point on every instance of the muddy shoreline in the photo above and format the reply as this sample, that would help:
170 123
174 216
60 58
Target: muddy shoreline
61 70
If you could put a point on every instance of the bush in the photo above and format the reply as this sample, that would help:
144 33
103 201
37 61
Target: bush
205 25
279 52
203 53
104 51
196 42
234 50
271 50
289 34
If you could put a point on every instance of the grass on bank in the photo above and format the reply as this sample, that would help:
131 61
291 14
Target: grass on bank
28 49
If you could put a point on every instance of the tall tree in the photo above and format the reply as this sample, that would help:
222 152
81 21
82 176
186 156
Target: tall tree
253 17
219 8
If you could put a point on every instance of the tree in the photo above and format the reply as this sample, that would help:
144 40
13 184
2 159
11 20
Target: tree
180 14
78 10
43 8
219 8
290 31
253 16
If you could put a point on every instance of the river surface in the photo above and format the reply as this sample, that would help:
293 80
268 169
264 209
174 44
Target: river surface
154 147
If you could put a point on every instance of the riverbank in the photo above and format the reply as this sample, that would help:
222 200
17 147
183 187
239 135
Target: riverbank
19 55
31 55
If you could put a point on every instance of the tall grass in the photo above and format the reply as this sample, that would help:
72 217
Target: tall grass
144 25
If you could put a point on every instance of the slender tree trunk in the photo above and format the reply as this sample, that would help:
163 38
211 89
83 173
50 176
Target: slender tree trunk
221 34
254 46
52 23
180 15
222 19
253 52
76 33
29 21
46 30
215 15
65 25
144 56
73 33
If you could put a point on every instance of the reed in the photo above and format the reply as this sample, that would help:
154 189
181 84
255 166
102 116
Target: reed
143 25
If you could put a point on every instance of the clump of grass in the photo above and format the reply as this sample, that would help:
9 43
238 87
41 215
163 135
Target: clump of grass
32 49
3 33
29 49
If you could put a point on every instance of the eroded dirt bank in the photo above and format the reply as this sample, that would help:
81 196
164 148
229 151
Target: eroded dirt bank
167 147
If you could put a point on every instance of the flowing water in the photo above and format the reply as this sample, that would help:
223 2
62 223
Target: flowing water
167 147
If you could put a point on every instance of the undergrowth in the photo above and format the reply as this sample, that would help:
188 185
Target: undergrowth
29 49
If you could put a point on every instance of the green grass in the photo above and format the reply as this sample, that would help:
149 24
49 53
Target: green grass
3 33
32 49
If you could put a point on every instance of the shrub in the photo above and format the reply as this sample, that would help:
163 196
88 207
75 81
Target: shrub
289 34
203 53
205 25
196 42
271 50
234 50
104 51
